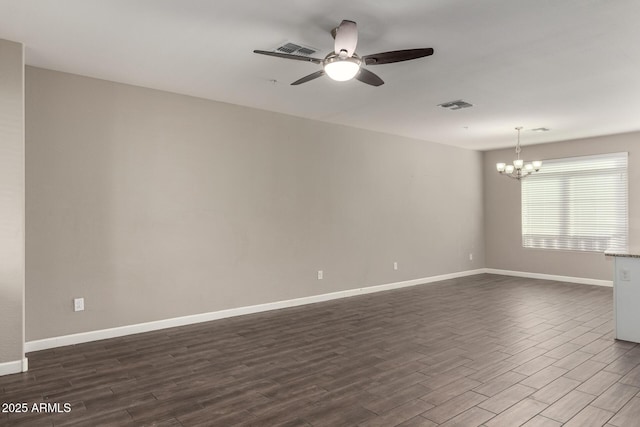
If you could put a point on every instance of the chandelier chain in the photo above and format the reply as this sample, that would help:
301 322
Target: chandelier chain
518 149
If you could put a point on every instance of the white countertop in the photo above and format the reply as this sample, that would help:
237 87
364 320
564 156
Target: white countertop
631 253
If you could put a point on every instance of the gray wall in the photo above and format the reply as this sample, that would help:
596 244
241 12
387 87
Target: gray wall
154 205
503 210
11 202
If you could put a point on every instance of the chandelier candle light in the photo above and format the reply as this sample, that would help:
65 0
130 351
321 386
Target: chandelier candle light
519 169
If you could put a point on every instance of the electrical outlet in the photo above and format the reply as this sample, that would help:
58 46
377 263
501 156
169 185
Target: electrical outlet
625 275
78 304
395 265
320 275
470 257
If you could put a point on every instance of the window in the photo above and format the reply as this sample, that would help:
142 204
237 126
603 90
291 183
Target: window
577 204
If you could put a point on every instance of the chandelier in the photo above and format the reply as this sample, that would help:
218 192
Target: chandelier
518 169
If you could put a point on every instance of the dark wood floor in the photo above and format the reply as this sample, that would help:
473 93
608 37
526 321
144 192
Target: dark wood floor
484 350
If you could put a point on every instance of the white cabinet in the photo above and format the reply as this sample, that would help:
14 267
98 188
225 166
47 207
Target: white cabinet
626 296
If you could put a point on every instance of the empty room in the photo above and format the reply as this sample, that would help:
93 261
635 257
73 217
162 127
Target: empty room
319 213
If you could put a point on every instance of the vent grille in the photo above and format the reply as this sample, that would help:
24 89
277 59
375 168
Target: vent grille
306 51
295 49
288 48
455 105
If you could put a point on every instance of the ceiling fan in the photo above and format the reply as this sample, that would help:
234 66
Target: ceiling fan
343 64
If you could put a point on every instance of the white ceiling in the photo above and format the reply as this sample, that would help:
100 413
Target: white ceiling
572 66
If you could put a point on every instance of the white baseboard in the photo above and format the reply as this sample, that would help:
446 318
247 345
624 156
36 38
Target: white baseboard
14 367
101 334
581 280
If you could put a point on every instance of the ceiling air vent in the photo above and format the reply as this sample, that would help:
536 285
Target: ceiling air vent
295 49
455 105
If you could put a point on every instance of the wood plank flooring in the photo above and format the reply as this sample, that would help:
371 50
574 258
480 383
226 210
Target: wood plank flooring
484 350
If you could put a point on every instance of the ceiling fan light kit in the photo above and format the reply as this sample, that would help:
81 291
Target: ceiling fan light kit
343 64
518 169
341 69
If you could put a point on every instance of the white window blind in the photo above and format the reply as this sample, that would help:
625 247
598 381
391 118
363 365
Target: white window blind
578 203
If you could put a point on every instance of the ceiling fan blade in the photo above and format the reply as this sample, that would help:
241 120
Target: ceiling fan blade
396 56
366 76
308 78
289 56
346 38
